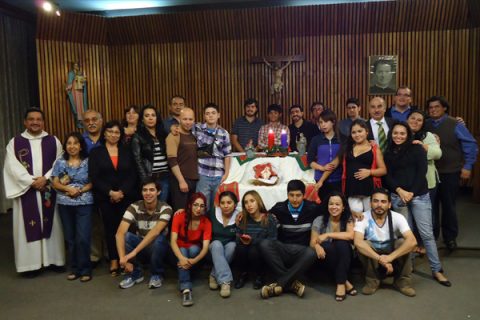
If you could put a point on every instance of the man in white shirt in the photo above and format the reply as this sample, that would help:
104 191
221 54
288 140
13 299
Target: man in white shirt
382 250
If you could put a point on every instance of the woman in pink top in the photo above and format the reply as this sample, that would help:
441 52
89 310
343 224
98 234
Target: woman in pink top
191 235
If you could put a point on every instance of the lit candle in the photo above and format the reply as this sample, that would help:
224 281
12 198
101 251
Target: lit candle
283 139
271 138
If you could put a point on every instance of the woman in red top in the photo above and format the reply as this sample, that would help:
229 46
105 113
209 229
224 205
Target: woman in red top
191 235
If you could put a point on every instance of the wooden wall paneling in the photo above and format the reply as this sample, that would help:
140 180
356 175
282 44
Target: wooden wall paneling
206 57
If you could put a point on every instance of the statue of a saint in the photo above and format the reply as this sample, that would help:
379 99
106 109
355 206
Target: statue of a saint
77 93
301 144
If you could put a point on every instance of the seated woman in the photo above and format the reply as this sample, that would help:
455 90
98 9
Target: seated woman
223 243
255 225
331 238
75 204
406 179
190 238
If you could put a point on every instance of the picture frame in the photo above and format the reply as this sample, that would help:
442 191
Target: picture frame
382 74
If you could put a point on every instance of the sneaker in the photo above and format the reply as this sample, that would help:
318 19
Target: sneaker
225 290
155 281
369 289
272 290
212 283
298 288
130 280
187 299
406 290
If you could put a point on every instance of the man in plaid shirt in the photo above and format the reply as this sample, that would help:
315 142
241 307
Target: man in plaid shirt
274 117
214 165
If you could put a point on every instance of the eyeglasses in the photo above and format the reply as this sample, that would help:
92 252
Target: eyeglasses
88 120
196 205
403 95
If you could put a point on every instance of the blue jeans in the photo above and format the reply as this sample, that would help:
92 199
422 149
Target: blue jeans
154 253
419 213
77 229
165 185
208 186
184 276
222 256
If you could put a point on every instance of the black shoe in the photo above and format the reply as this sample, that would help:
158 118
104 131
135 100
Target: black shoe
57 269
451 245
30 274
258 283
240 282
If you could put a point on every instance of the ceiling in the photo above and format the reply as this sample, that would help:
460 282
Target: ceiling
113 8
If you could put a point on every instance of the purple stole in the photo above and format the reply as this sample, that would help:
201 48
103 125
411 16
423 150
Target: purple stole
31 213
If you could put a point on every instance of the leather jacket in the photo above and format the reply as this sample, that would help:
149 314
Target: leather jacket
142 149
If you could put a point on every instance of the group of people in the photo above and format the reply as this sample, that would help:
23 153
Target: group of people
152 184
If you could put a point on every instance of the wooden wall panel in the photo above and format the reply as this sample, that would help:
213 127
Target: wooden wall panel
206 55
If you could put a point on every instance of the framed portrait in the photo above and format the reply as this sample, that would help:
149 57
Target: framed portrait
382 75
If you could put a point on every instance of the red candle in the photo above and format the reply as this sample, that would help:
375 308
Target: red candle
271 138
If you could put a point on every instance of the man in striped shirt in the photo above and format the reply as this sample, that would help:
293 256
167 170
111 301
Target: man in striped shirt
290 256
214 165
150 218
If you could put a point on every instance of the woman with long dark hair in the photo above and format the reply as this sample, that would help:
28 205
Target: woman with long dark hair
331 238
112 173
416 122
75 204
223 243
363 166
256 224
406 179
149 151
130 122
190 238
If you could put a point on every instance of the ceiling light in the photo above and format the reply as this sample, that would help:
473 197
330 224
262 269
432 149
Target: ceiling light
47 6
51 7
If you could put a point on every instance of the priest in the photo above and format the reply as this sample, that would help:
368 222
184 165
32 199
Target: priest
37 231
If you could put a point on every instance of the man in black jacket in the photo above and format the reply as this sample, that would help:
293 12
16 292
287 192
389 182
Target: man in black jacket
290 256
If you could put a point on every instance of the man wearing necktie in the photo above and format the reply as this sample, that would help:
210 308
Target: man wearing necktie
378 123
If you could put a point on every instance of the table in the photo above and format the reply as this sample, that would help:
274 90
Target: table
288 168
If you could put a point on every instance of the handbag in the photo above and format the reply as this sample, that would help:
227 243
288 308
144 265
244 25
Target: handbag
206 151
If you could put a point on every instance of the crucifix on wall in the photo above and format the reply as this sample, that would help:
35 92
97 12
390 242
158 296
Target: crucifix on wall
278 64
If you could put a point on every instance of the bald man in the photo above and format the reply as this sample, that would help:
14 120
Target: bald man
378 122
182 159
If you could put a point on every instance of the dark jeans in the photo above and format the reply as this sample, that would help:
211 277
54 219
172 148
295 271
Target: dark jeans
338 256
77 228
179 198
446 198
287 261
154 253
327 188
249 259
112 214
